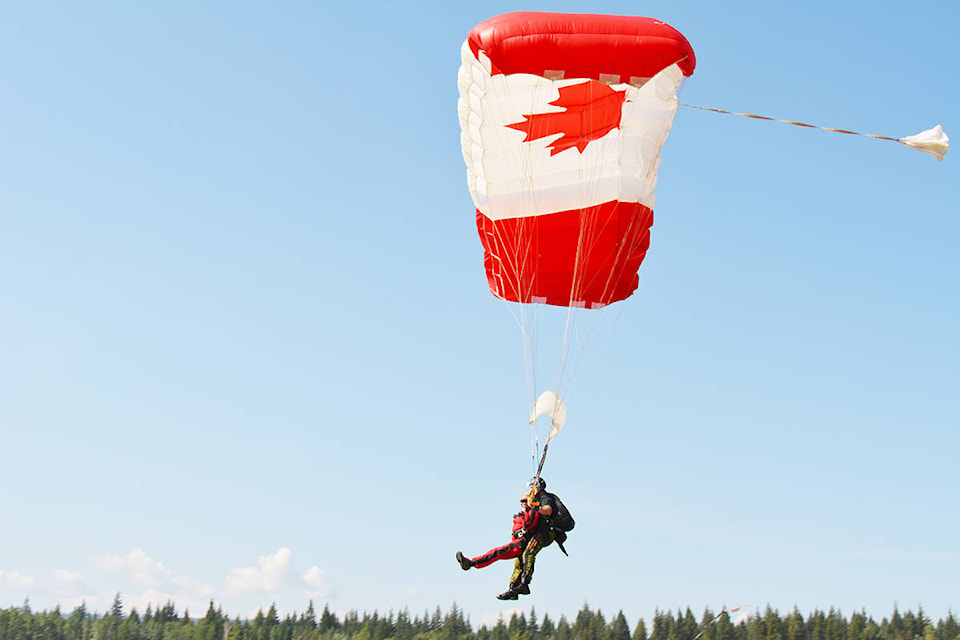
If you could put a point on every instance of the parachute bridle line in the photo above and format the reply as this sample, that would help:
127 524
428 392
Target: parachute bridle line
795 123
717 617
933 141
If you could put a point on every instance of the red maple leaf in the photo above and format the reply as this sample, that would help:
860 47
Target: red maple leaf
592 110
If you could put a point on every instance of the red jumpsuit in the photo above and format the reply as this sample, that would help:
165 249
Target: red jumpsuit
524 523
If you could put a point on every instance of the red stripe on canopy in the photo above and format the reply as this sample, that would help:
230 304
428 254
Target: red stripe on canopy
586 257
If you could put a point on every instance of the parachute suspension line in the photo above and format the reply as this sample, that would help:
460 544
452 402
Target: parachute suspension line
519 251
526 318
526 199
527 255
577 340
581 343
573 347
534 445
932 141
584 241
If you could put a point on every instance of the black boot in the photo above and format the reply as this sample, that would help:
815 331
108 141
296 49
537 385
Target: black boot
465 562
523 588
509 594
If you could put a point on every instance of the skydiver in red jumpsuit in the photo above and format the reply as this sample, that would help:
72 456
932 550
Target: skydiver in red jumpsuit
530 532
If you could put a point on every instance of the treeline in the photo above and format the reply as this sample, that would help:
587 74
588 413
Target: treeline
165 623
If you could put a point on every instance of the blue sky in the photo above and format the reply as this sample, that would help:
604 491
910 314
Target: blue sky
247 351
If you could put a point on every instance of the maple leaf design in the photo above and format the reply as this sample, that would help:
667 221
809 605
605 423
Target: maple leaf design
592 110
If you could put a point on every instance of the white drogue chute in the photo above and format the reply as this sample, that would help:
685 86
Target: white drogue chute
933 141
550 404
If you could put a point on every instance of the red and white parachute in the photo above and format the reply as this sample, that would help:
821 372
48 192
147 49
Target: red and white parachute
562 118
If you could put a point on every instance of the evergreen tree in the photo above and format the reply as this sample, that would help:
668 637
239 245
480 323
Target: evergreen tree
436 620
168 613
110 626
723 628
708 625
75 622
259 629
272 618
794 628
22 623
116 609
915 625
236 630
16 625
517 628
816 626
589 625
366 630
564 632
284 629
756 629
687 626
308 621
403 629
455 627
662 622
211 626
547 628
328 621
772 622
857 628
894 630
948 629
598 627
836 625
672 628
619 629
640 631
499 631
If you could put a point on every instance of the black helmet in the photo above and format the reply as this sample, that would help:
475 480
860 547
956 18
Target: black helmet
540 483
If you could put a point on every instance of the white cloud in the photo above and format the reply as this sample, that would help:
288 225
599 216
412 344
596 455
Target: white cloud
62 575
275 574
137 565
143 581
17 580
68 583
155 598
145 572
315 583
491 619
272 574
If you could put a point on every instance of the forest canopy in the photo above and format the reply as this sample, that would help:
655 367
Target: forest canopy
166 623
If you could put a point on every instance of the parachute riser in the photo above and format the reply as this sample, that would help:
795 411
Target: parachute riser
531 498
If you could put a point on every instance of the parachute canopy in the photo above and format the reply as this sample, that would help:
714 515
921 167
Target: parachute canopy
562 119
